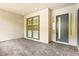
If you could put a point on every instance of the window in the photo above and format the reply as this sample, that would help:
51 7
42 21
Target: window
29 27
33 27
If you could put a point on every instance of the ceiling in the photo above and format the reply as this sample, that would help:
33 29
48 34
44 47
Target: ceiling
25 8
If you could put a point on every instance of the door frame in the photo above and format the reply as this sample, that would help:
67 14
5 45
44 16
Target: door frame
77 27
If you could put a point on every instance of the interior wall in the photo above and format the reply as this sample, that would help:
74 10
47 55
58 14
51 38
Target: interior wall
11 25
44 25
72 11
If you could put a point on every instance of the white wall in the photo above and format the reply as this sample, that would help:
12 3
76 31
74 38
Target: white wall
44 27
11 26
72 10
45 24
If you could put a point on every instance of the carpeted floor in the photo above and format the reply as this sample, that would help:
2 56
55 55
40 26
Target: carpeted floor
24 47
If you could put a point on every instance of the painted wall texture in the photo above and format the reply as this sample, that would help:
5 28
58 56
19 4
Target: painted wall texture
11 26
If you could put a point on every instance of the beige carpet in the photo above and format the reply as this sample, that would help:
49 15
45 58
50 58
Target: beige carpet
24 47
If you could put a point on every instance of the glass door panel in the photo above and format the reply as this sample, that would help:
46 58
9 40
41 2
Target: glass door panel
29 33
59 28
35 20
35 34
35 27
29 27
29 21
35 31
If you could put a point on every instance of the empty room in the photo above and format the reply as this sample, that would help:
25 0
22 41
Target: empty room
39 29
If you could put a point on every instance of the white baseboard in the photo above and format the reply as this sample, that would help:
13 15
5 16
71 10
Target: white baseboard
64 43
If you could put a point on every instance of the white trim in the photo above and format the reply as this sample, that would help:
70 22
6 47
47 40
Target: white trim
35 40
64 43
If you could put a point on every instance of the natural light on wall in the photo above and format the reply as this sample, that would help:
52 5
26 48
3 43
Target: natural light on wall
53 25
